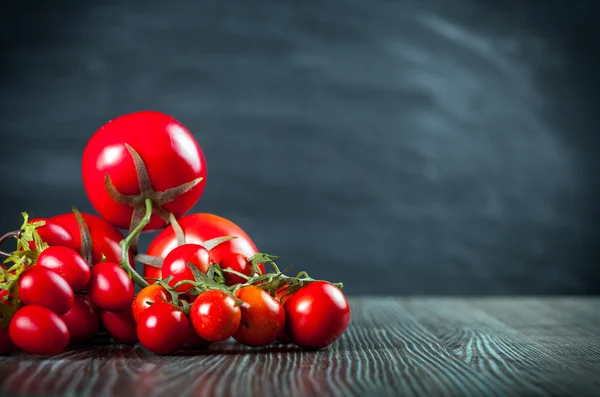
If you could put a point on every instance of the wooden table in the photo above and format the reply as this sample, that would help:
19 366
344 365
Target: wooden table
394 346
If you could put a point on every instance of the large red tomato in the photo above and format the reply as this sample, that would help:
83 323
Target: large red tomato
171 156
63 230
199 228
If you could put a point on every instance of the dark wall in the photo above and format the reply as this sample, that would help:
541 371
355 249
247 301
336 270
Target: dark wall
441 148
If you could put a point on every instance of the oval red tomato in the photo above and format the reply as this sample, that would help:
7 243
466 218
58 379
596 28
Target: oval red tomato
120 325
82 320
162 328
176 264
262 319
199 228
146 297
38 330
171 155
43 287
67 263
110 288
316 315
63 230
215 316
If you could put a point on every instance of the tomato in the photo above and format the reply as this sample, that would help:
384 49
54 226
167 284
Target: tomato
237 262
194 340
199 228
175 264
6 344
43 287
110 287
148 296
63 230
215 316
67 263
38 330
82 320
262 320
162 328
169 151
120 325
316 315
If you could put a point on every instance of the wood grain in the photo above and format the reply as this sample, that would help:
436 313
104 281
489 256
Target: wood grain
394 347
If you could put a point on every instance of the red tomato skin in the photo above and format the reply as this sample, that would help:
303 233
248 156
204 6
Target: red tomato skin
316 315
237 262
63 230
148 296
199 228
82 320
262 320
43 287
6 344
67 263
110 288
171 154
194 340
120 325
215 316
175 264
38 330
162 328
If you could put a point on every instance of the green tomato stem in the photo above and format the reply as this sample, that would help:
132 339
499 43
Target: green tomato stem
128 241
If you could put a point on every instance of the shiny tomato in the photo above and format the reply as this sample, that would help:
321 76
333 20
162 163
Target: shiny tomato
262 319
147 296
194 340
316 315
68 263
120 325
38 330
169 151
238 263
176 264
6 344
162 328
82 320
199 228
43 287
110 288
63 230
215 316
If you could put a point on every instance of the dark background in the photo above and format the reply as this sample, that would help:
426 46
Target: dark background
403 147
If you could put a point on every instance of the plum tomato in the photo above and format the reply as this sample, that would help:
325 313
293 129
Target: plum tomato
262 319
110 287
147 296
199 228
215 316
38 330
175 264
171 155
316 315
67 263
6 344
162 328
82 320
237 262
120 325
43 287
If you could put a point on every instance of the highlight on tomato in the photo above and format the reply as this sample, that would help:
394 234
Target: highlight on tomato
38 330
176 265
263 318
162 328
215 316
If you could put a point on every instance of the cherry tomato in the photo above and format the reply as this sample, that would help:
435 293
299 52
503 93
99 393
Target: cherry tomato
194 340
199 228
262 320
63 230
43 287
110 287
316 315
215 316
67 263
38 330
237 262
162 328
175 264
147 296
82 320
120 325
6 344
170 153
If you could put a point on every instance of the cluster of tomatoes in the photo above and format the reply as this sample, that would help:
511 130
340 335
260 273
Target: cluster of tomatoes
72 276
